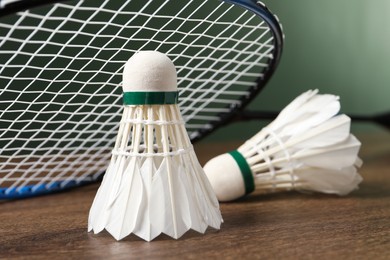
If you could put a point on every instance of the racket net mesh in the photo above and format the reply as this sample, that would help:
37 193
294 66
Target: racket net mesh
61 71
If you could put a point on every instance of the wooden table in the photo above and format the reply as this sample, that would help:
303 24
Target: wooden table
289 225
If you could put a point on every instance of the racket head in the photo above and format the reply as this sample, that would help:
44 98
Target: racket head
61 87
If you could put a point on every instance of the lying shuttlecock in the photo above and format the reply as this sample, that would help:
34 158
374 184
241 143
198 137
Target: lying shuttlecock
307 147
154 183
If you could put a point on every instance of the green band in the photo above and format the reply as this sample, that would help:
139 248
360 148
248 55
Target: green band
150 98
245 171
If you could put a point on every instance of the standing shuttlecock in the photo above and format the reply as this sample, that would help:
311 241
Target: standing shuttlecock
307 147
154 183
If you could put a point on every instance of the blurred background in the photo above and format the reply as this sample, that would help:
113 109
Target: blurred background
340 47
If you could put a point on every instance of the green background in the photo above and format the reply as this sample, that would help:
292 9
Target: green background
340 47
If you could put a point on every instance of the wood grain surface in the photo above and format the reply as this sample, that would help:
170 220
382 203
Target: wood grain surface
278 226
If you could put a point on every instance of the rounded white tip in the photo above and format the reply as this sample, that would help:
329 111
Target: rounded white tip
149 71
225 177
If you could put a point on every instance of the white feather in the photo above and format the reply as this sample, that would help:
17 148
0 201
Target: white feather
125 207
99 212
144 227
191 187
337 156
340 182
306 111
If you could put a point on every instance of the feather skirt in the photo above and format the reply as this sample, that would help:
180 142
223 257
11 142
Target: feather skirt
154 183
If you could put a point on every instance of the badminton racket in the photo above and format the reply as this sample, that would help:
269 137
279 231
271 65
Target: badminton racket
60 77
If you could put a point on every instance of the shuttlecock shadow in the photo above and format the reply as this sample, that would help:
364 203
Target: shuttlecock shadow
373 189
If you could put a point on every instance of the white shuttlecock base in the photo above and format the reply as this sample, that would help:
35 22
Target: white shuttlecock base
156 185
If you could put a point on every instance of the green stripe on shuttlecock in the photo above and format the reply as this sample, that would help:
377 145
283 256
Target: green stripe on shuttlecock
150 98
245 171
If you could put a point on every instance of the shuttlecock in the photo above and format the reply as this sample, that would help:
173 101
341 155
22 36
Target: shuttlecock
307 147
154 183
